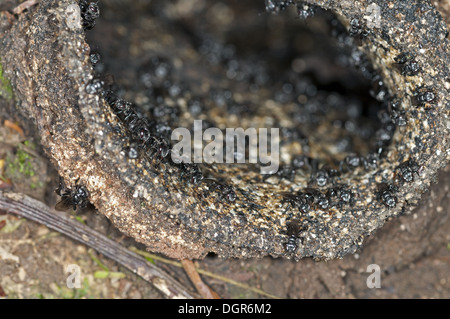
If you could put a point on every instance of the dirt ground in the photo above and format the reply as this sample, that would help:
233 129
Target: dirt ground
413 254
412 251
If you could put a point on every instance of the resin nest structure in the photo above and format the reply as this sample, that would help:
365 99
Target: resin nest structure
340 178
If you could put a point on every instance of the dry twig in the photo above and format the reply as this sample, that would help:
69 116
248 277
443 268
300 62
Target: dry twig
201 287
203 272
14 126
24 6
32 209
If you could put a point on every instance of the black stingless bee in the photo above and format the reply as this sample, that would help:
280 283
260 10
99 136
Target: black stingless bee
71 198
293 231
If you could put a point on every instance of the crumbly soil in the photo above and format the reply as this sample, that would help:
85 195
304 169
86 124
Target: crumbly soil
34 260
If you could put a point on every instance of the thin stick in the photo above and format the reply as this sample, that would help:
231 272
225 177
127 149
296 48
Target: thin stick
14 126
201 287
204 272
24 5
61 222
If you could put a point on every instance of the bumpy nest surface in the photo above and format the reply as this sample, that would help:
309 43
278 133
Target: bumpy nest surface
348 162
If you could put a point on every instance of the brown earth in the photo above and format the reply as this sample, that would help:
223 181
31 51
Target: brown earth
412 251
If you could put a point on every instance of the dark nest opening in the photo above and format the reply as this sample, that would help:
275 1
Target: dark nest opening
334 106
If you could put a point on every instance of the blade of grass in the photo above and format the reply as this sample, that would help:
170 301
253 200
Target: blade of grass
204 272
